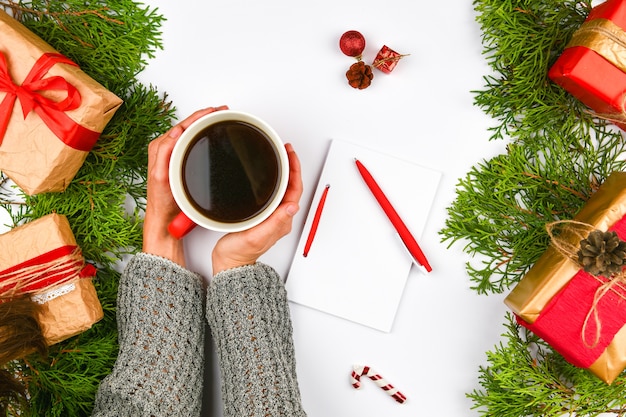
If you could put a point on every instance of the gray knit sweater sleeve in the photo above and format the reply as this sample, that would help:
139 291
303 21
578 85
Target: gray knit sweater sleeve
249 317
160 364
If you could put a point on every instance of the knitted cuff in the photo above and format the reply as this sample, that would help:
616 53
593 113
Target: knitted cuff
249 317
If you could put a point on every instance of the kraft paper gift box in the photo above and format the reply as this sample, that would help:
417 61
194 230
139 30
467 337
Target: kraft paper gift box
592 66
51 112
41 259
580 315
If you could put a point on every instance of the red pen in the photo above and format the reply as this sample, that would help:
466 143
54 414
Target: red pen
406 236
316 222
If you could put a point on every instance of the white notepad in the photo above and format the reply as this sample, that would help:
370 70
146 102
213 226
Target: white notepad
357 266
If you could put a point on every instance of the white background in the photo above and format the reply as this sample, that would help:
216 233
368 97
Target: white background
280 60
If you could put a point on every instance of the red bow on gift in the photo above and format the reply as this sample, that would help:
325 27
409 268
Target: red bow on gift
51 112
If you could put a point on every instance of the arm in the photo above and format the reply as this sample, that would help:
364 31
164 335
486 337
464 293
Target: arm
248 314
160 364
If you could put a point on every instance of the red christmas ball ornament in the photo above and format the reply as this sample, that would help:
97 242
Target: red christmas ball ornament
352 43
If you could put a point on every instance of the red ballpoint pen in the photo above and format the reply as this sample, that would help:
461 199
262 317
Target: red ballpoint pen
406 236
316 221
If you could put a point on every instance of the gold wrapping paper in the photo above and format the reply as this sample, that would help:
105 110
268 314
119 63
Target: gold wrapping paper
553 271
613 360
603 37
68 314
30 154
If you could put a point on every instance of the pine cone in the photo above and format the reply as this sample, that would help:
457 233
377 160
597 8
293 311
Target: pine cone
360 75
602 253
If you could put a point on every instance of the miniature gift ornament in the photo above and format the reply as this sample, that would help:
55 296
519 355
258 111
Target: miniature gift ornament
51 112
386 59
593 65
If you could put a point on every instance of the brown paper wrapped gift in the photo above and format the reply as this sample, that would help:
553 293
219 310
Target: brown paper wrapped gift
555 295
51 112
41 259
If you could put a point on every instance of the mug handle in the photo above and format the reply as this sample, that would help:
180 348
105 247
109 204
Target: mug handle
180 226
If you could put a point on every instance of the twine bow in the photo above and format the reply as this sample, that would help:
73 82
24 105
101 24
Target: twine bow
44 272
50 111
575 231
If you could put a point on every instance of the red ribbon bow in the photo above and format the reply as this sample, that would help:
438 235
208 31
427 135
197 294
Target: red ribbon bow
51 112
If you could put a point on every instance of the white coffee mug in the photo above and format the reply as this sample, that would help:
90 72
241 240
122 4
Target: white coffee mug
187 170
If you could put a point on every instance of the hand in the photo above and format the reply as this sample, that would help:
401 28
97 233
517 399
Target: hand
161 207
244 248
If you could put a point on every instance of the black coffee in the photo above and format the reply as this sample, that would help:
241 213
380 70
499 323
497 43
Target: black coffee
231 171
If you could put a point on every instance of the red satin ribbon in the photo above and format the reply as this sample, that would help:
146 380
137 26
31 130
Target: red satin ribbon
51 112
66 270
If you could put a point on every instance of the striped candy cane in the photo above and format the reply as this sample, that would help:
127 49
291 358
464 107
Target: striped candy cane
359 370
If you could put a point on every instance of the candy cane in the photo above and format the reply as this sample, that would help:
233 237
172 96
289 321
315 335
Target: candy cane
359 370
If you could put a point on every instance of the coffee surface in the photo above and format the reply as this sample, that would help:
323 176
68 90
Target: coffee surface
231 171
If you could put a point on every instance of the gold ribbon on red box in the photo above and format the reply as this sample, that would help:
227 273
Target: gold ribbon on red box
51 112
604 38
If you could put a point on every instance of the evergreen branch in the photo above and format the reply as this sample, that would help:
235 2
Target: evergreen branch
526 378
558 155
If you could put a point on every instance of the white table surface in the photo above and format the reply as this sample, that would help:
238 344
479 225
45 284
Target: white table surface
281 61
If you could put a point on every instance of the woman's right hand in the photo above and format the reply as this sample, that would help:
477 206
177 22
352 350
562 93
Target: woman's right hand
244 248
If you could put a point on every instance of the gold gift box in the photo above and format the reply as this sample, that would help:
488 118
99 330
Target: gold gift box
553 271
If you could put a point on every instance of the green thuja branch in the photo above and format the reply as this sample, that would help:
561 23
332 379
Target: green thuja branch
526 378
558 152
110 40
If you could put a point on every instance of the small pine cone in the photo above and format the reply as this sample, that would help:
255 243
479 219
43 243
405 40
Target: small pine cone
602 253
360 75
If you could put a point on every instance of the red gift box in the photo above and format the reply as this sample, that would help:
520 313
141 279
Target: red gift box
583 319
593 65
386 59
582 316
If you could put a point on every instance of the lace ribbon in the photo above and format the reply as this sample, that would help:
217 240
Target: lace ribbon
42 298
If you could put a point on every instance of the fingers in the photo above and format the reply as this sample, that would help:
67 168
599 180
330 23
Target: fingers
198 114
279 223
294 186
160 149
175 132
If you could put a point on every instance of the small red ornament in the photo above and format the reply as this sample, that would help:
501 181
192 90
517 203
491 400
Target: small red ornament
352 43
387 59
